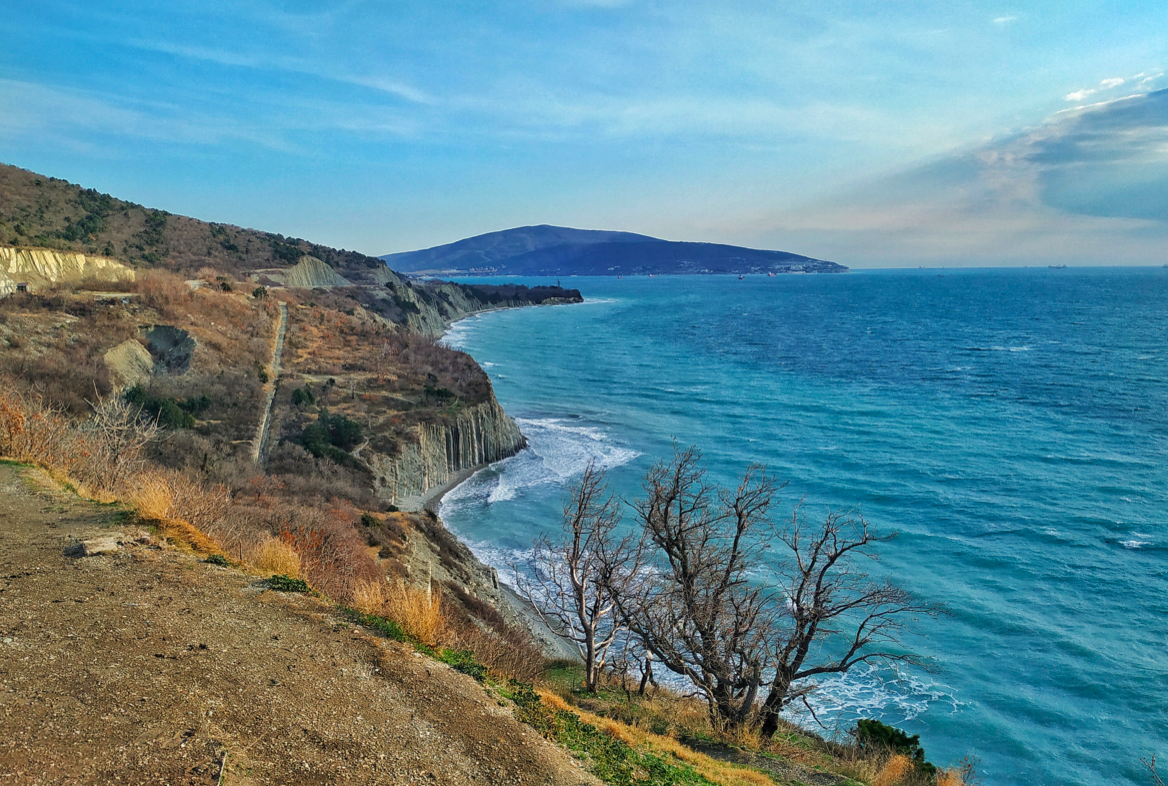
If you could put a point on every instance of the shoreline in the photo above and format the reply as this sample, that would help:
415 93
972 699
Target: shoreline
516 609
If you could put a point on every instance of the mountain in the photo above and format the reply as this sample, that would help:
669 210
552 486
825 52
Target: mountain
560 251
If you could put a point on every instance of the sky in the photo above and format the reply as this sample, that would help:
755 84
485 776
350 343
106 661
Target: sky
891 133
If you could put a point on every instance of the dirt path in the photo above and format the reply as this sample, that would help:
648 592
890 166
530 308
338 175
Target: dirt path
145 666
259 450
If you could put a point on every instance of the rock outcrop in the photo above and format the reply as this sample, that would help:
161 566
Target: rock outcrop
42 267
129 364
429 309
308 273
472 438
172 348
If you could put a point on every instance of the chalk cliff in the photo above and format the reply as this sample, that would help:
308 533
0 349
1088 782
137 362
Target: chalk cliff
40 267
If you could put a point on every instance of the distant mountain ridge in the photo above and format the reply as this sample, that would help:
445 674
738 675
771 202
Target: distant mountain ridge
561 251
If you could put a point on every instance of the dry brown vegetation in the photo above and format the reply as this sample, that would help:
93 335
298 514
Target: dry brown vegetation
299 515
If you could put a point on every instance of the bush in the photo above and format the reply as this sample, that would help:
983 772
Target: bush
287 584
217 559
166 411
302 396
332 436
874 734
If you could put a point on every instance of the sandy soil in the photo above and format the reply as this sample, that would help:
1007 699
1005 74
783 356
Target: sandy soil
145 666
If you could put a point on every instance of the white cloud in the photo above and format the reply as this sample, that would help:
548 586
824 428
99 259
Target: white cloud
1001 20
1079 95
294 65
1107 84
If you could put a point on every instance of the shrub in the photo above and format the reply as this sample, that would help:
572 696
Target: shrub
287 584
217 559
872 734
332 436
167 412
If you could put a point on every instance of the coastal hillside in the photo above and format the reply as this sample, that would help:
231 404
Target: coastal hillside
53 231
560 251
223 502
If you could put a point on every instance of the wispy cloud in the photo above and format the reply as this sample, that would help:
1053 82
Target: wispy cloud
269 62
1107 84
33 108
1001 20
1079 95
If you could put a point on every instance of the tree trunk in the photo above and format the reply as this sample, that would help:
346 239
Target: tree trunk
774 705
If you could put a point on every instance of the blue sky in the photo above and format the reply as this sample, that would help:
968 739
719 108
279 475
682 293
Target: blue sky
892 133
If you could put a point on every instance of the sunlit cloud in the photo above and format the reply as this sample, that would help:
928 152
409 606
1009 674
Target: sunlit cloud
1001 20
1090 186
1107 84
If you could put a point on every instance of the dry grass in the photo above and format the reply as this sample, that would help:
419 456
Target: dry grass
950 778
276 556
152 496
418 611
894 772
369 597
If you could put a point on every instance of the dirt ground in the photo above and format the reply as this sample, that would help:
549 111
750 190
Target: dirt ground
146 666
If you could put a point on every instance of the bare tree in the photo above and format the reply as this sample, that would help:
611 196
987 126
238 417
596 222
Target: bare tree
697 610
116 440
829 600
573 579
1151 765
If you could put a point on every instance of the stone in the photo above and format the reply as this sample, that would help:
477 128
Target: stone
103 544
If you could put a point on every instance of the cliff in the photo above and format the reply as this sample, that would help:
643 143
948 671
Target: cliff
443 451
41 267
429 307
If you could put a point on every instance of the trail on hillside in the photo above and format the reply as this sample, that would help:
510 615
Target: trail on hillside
259 449
146 666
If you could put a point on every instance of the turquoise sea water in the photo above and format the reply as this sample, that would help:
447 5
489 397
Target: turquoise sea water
1011 425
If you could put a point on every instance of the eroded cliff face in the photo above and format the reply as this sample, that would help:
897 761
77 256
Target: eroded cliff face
437 305
474 437
41 267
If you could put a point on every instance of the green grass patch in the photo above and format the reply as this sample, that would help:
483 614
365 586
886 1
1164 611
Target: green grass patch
288 584
461 660
609 759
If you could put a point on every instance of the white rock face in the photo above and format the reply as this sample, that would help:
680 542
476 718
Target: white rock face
308 273
41 267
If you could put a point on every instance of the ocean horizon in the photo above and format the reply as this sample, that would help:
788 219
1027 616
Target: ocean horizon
1009 424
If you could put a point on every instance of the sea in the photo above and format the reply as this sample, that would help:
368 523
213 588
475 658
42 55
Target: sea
1010 425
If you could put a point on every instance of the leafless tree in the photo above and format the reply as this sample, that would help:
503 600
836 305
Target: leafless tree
697 610
829 600
1151 765
573 578
116 440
